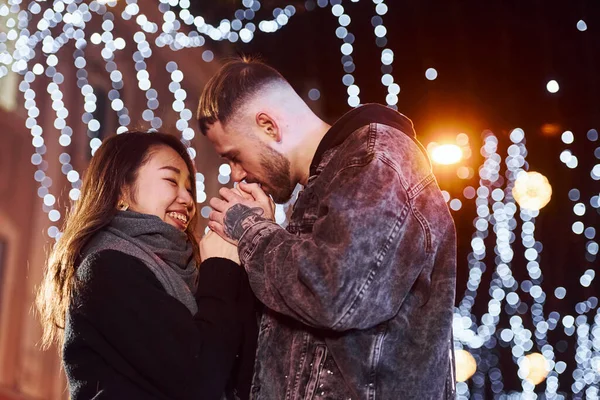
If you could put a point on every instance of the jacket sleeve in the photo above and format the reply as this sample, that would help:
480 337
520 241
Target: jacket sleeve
151 337
344 274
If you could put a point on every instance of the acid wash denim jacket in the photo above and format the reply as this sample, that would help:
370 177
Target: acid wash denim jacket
359 288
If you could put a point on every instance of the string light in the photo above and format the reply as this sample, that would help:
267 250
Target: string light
140 56
346 49
503 286
387 55
231 30
75 15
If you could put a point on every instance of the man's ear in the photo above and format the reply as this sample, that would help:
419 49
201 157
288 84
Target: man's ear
269 126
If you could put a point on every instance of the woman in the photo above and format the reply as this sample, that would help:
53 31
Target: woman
123 295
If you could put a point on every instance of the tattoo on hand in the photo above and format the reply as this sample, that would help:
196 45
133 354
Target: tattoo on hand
239 218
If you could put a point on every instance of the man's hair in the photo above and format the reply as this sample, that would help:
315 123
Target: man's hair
235 82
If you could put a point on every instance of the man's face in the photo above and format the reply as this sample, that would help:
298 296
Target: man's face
253 160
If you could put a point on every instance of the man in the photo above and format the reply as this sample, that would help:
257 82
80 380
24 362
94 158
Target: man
359 289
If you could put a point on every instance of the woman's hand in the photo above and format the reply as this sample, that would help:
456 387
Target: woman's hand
212 245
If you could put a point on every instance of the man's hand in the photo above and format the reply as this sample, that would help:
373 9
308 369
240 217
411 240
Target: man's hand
257 194
238 210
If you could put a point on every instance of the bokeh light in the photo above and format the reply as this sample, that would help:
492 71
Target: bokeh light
534 368
431 74
532 190
552 86
465 365
446 154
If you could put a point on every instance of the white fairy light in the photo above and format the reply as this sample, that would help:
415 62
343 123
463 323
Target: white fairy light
387 55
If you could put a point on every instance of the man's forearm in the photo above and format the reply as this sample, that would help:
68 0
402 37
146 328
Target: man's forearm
239 218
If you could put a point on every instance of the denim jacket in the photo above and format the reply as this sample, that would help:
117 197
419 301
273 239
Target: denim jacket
359 288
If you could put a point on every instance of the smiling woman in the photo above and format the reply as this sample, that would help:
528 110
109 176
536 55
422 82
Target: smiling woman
163 188
126 294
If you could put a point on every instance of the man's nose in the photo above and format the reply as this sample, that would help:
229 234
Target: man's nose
237 173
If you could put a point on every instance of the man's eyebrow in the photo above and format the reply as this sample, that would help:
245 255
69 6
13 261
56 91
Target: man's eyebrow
230 155
174 169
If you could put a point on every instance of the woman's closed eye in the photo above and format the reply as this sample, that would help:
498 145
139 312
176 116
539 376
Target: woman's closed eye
174 182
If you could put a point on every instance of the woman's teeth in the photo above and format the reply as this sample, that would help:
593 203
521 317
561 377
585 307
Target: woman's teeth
178 216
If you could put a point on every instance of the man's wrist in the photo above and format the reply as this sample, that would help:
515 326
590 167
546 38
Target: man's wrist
239 218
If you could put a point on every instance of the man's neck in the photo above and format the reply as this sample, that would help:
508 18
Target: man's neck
308 148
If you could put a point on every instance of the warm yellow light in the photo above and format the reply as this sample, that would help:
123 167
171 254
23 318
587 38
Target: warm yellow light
550 129
446 154
535 368
465 172
465 365
532 190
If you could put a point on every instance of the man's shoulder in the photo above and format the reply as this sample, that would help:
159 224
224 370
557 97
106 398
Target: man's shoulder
397 151
375 140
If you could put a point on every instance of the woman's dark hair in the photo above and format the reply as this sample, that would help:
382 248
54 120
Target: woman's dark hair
113 168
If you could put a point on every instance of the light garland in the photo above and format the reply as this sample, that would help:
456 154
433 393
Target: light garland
346 49
387 55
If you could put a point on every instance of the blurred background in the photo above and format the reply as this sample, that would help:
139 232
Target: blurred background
504 95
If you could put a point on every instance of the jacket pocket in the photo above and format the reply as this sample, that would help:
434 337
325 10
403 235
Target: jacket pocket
263 347
319 356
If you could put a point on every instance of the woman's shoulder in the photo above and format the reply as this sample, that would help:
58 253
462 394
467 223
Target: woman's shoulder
111 265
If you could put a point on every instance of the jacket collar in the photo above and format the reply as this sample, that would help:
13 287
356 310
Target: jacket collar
355 119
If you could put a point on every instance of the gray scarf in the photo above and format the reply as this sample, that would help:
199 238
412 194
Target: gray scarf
164 249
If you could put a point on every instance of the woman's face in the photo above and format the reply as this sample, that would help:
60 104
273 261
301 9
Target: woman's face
163 188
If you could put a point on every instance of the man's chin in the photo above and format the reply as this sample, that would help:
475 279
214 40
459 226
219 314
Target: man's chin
281 198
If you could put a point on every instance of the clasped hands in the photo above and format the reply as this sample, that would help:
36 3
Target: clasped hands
238 209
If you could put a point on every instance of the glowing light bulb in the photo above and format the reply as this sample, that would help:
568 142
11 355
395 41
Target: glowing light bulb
535 368
552 86
532 190
465 365
446 154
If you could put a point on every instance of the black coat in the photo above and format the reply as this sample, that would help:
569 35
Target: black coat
126 338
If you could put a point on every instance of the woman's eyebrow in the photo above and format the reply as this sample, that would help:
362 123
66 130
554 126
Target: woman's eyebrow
174 169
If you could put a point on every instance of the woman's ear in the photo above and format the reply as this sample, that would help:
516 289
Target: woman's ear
124 201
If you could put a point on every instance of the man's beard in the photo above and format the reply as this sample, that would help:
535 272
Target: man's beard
277 177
